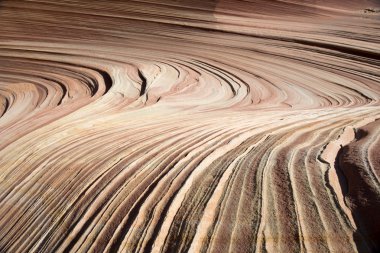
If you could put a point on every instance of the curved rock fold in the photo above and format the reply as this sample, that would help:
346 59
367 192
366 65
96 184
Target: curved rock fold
189 126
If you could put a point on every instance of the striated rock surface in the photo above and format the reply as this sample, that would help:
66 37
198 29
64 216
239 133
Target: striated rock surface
179 125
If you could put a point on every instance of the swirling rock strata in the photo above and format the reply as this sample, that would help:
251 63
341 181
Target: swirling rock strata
201 126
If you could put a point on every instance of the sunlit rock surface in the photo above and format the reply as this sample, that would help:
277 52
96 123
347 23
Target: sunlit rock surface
201 126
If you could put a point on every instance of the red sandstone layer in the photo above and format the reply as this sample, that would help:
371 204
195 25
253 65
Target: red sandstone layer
201 126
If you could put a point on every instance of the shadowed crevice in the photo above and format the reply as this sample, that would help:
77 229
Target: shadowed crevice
143 83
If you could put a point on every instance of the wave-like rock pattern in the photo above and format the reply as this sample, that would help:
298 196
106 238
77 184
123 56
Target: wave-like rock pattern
201 126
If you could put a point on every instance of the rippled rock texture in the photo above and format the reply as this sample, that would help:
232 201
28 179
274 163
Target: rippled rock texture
201 126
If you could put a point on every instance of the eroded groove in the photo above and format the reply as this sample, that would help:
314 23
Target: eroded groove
202 126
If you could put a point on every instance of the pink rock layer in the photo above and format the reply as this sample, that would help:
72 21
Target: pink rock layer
200 126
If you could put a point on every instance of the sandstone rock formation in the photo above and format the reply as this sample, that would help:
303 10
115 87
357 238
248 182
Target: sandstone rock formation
179 125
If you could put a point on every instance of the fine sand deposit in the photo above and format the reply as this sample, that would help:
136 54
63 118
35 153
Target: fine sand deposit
189 126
